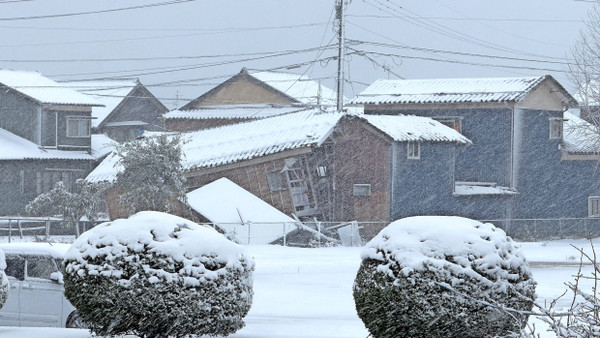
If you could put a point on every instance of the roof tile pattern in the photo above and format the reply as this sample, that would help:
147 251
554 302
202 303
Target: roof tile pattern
474 90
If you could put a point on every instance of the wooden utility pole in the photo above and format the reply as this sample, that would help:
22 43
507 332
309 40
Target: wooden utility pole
340 76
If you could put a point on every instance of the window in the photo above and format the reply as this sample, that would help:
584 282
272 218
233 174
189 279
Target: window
452 122
40 267
321 171
594 206
276 181
413 150
15 267
556 128
78 127
361 190
47 179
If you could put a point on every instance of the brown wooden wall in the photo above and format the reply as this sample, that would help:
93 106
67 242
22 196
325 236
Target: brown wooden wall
252 178
361 156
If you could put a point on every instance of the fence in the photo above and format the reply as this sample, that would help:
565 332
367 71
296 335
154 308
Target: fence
549 228
311 233
42 228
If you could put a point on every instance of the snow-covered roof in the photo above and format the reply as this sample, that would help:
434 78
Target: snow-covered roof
44 90
480 188
233 209
109 92
55 250
244 141
580 136
102 145
414 128
232 112
299 87
473 90
17 148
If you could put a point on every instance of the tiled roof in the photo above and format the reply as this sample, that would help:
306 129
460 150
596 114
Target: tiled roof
44 90
14 147
244 141
299 87
109 93
580 136
232 112
473 90
414 128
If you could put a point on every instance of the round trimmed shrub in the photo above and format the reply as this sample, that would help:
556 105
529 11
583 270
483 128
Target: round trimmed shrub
155 275
434 276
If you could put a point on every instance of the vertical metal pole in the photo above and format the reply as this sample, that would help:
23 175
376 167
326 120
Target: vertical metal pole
340 79
9 230
284 234
47 229
20 228
319 232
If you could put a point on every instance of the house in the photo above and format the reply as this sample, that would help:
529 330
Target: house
250 95
520 164
129 108
45 137
387 167
325 165
273 158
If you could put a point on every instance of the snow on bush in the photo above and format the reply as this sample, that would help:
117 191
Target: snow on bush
4 286
434 276
156 274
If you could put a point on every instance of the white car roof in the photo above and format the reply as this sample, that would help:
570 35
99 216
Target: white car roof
56 250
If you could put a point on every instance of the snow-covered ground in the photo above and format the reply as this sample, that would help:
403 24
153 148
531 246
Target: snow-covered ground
308 292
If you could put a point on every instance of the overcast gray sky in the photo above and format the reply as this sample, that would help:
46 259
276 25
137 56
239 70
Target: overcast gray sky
182 48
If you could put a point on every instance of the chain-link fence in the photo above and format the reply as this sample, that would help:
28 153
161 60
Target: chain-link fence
306 233
39 228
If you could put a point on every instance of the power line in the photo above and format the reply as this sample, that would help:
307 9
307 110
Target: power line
441 29
485 19
361 52
162 70
125 29
424 49
62 15
158 58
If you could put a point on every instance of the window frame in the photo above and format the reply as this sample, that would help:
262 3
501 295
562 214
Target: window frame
556 128
453 122
594 206
77 132
356 190
413 150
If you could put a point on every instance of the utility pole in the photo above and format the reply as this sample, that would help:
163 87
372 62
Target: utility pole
339 6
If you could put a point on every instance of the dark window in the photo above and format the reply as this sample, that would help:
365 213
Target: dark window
15 267
78 127
40 267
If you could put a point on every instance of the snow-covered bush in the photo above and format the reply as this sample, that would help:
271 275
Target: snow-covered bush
434 276
4 286
155 274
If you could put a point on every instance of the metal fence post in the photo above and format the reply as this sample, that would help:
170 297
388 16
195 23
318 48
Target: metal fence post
47 229
20 228
284 234
9 230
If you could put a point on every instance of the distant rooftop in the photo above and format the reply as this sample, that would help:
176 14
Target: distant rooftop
414 128
44 90
109 92
246 111
472 90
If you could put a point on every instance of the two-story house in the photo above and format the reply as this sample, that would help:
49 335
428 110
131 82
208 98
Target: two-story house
517 166
45 137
